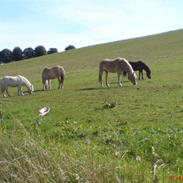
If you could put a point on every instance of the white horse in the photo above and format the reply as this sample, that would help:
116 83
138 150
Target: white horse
15 81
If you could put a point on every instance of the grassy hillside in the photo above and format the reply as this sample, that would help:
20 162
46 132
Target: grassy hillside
83 138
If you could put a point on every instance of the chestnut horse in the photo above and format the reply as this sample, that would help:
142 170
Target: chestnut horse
116 65
52 73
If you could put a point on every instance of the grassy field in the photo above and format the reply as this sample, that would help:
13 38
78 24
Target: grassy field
92 134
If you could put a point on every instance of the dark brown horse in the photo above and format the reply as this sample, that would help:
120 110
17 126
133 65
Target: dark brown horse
140 66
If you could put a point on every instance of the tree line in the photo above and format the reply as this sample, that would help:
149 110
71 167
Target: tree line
17 53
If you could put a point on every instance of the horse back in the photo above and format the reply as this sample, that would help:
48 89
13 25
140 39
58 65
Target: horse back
138 65
115 65
109 65
52 73
11 81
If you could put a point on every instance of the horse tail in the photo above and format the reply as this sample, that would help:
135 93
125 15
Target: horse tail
100 77
100 73
62 78
43 79
43 75
1 83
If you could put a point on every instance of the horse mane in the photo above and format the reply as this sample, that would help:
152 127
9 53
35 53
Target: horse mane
129 68
46 68
146 68
27 82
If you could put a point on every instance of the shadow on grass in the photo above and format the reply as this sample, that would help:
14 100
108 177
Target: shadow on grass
113 85
90 89
40 90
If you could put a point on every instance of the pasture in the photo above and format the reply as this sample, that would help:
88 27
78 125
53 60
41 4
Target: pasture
94 134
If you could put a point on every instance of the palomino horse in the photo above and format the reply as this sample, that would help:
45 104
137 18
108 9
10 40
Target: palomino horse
140 66
117 65
51 73
15 81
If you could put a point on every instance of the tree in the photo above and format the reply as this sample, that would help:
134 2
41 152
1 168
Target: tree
17 54
28 53
39 51
52 50
5 55
69 47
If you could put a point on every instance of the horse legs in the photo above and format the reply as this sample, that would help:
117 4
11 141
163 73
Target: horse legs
141 74
49 84
19 91
44 84
119 82
5 91
4 94
106 76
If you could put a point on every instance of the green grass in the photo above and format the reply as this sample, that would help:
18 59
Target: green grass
95 134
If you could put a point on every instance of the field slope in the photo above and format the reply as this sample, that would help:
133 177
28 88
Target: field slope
93 134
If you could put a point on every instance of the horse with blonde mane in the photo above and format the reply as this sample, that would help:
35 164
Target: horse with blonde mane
15 81
116 65
52 73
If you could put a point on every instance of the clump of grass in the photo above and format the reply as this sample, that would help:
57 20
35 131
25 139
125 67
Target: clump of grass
109 105
25 158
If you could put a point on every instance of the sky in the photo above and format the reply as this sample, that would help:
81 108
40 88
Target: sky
59 23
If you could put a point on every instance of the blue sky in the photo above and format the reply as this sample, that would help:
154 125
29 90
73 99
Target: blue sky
58 23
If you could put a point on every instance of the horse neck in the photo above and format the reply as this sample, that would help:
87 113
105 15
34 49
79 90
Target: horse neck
146 68
129 69
26 82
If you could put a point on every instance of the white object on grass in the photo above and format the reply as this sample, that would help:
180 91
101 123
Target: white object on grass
44 111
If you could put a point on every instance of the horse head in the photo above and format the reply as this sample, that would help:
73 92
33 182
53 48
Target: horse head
31 89
133 78
148 74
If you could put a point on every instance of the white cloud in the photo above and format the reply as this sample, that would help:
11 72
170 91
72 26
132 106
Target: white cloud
60 23
119 21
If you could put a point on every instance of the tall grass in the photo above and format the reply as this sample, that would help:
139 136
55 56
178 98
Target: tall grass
129 157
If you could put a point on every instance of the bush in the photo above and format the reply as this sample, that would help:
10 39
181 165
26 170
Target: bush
52 50
40 51
70 47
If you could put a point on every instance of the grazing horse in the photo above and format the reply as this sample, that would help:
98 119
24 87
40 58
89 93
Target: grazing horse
15 81
52 73
140 66
116 65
